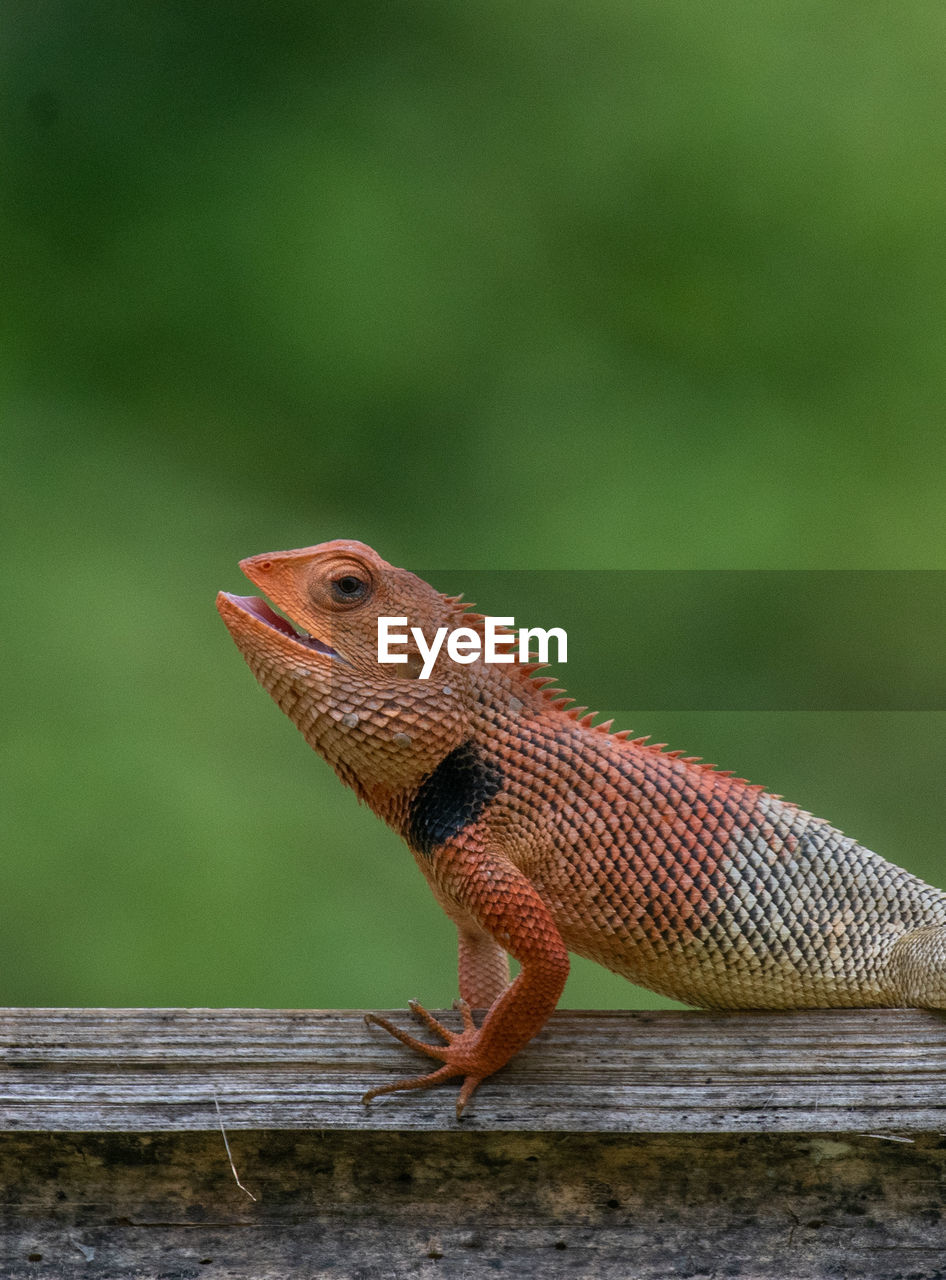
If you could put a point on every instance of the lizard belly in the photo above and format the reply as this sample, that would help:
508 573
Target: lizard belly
786 913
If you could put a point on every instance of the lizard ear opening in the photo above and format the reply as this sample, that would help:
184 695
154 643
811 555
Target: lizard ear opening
412 667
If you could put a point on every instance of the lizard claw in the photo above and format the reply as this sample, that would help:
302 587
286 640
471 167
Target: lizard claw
446 1072
449 1070
466 1014
412 1042
428 1019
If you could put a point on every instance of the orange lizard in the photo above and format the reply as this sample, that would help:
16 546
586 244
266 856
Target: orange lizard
541 833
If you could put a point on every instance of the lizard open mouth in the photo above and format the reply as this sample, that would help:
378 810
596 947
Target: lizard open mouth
261 610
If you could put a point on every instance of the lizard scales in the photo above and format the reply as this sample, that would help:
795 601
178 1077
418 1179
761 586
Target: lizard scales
541 833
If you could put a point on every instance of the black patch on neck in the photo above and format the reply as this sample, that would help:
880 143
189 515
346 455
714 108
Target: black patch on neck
451 797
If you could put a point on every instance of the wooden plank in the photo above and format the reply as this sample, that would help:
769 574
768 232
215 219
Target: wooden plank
650 1145
146 1070
467 1205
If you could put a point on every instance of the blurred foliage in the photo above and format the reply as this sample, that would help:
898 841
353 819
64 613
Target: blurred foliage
540 286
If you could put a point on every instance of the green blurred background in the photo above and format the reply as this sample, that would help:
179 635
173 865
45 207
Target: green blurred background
532 286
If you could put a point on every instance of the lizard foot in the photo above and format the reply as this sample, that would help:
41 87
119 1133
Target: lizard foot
457 1054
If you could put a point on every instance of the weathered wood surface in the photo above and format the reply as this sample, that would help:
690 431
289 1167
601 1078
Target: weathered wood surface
466 1206
140 1070
626 1146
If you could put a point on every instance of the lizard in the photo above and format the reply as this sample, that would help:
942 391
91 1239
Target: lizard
542 833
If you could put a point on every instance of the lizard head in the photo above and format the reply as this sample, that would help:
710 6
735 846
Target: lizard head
370 720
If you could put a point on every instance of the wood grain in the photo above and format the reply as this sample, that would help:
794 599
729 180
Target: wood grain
617 1145
468 1206
146 1070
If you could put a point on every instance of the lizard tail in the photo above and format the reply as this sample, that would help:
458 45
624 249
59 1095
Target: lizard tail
917 968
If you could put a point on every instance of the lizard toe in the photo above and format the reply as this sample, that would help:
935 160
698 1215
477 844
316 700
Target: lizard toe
446 1072
428 1019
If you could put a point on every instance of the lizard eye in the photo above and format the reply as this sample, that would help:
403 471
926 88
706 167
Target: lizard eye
349 588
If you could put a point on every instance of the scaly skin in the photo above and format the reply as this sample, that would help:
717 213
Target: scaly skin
541 834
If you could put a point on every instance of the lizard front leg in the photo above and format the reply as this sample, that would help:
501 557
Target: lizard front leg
483 967
482 962
504 906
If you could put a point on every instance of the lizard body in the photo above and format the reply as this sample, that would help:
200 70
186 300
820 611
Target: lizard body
541 833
